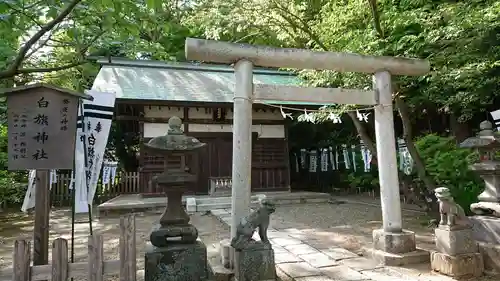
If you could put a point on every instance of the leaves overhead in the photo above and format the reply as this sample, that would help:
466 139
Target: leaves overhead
460 38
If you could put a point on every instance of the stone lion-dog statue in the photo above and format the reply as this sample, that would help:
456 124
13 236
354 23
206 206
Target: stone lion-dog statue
451 214
256 219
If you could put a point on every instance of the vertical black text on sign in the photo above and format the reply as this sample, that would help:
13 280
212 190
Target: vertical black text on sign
41 119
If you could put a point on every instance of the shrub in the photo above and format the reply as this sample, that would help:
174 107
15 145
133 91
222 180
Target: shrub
12 184
448 165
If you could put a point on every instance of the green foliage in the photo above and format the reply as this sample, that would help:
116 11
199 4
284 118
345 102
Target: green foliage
12 184
448 165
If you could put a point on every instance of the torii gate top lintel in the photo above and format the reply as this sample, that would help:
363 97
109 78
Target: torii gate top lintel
225 52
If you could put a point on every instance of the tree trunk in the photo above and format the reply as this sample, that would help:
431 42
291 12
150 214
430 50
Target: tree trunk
459 130
363 134
429 183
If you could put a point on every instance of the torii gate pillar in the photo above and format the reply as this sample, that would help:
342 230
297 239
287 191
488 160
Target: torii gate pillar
392 244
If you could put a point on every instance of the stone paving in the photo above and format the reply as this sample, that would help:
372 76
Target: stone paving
300 255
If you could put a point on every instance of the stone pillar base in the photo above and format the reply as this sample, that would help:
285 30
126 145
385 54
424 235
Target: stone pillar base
177 262
255 264
459 266
395 249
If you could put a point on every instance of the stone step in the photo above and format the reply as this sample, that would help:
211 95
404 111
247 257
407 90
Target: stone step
222 200
216 203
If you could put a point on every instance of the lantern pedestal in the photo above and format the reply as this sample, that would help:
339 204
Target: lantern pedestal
175 253
177 262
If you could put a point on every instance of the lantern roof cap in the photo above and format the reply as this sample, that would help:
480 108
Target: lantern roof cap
485 139
175 140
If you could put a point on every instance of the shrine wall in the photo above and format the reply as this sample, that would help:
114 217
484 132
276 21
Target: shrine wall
200 120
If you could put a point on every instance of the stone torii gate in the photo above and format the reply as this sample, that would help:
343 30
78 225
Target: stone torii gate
392 244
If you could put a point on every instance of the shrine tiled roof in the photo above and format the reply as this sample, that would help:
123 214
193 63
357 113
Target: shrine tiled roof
181 82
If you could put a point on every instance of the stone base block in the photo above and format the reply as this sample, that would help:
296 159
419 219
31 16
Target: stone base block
394 243
179 262
460 266
191 205
226 253
254 264
486 229
491 257
455 242
218 272
390 259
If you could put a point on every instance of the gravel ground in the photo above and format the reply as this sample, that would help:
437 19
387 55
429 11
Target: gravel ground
347 225
20 226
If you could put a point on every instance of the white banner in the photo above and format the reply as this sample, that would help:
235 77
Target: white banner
78 179
109 172
98 115
53 177
29 197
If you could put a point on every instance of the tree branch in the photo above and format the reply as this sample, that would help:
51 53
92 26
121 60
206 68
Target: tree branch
13 68
376 18
404 113
50 69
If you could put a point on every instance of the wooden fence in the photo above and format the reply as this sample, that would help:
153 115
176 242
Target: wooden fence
61 269
125 183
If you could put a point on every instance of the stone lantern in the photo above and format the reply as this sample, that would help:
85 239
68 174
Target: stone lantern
175 253
487 143
486 225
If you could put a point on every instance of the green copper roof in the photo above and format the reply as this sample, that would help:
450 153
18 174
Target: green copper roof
186 82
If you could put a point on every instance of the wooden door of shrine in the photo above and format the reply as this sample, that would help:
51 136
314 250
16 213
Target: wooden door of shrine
215 160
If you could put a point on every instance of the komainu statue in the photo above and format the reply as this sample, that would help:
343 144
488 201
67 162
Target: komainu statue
451 214
256 219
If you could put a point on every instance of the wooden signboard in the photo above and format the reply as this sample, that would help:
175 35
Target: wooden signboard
41 127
